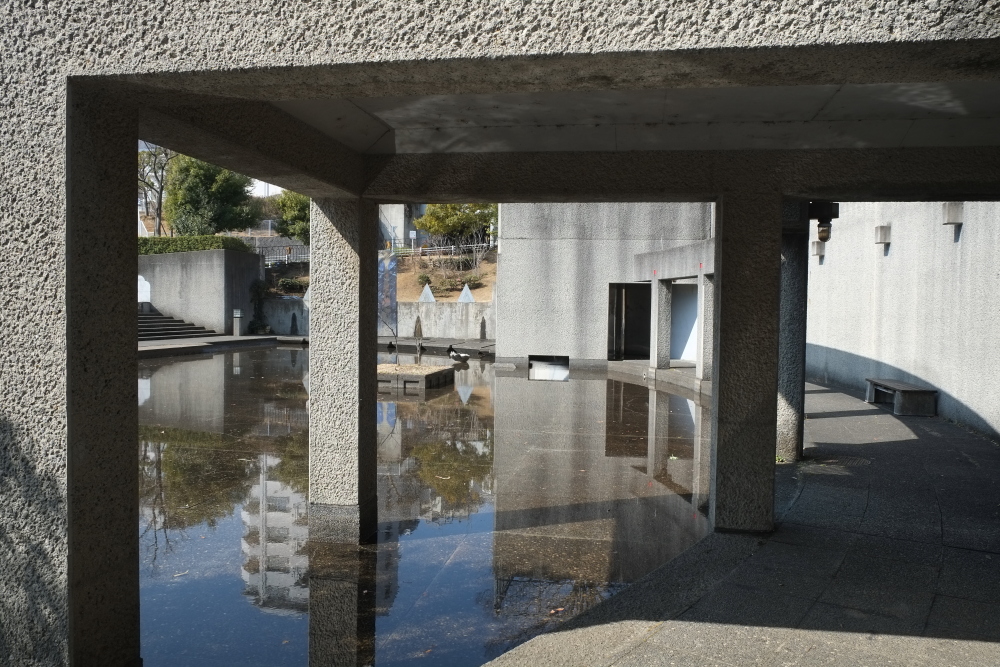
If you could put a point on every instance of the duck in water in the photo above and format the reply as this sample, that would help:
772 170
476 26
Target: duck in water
457 357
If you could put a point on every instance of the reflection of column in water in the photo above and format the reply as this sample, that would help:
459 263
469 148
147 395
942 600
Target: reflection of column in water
658 436
342 604
702 456
275 532
680 463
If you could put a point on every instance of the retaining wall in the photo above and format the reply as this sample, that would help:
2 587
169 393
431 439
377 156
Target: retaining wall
287 316
203 287
449 319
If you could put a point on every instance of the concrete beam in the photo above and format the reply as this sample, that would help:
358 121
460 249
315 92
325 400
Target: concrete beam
342 377
259 140
899 174
745 372
684 48
687 261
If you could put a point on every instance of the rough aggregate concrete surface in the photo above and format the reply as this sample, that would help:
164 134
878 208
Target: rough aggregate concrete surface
343 344
372 48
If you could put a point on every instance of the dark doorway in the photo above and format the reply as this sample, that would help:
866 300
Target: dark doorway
628 321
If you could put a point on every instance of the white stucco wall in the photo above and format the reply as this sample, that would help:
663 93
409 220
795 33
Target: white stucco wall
927 311
556 261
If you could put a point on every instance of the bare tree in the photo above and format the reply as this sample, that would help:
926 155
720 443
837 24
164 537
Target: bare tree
153 163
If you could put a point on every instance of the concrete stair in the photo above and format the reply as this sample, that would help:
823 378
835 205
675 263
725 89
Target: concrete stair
154 326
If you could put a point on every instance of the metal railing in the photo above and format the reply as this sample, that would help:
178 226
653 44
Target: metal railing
405 250
283 254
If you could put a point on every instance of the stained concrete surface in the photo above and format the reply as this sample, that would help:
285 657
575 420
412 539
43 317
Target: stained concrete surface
886 552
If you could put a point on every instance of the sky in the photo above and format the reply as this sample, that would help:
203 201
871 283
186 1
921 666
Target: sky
261 189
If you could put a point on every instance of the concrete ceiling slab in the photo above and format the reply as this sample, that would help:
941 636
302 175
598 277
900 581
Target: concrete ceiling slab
959 99
562 108
340 119
962 113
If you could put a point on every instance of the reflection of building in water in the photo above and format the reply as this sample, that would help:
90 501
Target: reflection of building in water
449 428
277 419
276 529
602 499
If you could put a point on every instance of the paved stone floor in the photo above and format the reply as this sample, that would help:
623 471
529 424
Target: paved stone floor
887 552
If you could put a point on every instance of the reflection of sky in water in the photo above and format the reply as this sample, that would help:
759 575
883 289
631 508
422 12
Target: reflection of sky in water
505 507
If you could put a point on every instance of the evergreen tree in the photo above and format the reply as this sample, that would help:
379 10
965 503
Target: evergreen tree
205 199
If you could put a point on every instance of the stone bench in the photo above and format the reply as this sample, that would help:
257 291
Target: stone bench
906 398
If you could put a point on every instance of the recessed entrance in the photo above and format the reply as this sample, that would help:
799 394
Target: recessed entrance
628 321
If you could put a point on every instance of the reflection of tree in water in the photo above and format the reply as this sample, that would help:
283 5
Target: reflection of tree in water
293 468
450 468
530 606
187 478
451 445
195 477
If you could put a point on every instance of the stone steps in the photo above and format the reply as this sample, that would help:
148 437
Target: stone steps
154 326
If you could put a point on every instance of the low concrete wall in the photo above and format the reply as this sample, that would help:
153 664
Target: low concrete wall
203 287
287 316
449 319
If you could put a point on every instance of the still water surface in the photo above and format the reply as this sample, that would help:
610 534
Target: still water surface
506 507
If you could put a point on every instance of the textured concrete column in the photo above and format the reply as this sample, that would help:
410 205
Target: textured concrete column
745 373
102 580
792 344
342 376
706 326
659 324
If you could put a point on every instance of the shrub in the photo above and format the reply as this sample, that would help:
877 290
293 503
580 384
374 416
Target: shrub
160 245
474 281
459 263
424 279
291 285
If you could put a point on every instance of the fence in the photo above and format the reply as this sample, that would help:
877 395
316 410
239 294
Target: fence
404 250
283 254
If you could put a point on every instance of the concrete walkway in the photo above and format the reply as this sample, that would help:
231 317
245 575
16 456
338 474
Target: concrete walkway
481 349
207 345
887 552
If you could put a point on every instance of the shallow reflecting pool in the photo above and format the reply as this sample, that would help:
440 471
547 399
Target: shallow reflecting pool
506 506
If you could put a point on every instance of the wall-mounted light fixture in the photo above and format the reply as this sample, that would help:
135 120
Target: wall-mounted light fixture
954 212
818 248
882 234
824 212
